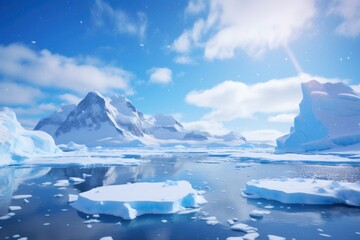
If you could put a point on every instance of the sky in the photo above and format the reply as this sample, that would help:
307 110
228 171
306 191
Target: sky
215 65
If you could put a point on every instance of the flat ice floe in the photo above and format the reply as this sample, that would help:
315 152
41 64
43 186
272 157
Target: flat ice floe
131 200
304 191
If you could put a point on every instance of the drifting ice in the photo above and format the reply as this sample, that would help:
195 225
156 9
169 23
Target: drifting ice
305 191
131 200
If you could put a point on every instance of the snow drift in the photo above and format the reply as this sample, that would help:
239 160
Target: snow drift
329 118
131 200
17 143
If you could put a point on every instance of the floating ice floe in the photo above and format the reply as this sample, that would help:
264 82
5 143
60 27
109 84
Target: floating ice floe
274 237
256 213
131 200
76 180
304 191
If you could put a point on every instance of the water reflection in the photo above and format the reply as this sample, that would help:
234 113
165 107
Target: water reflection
222 179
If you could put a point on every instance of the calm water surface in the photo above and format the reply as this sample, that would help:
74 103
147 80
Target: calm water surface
48 217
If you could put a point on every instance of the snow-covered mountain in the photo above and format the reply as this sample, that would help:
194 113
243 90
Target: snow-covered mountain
102 121
329 118
17 143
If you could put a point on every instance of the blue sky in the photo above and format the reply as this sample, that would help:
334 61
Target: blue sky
216 65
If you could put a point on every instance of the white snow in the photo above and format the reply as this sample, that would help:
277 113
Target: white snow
131 200
18 144
305 191
329 118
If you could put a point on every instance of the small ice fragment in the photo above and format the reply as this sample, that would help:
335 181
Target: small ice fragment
47 215
320 230
26 201
92 221
33 42
46 183
118 223
325 235
243 227
89 226
46 224
258 213
164 221
96 215
235 219
269 207
64 209
230 222
62 183
58 195
14 208
73 198
5 217
76 180
84 175
234 238
201 192
212 222
23 238
212 218
274 237
106 238
251 236
21 196
358 233
16 236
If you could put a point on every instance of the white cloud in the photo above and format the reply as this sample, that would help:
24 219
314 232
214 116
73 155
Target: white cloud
262 135
195 7
53 70
184 60
32 110
160 75
349 11
282 118
254 26
16 94
70 98
213 127
118 20
356 88
231 100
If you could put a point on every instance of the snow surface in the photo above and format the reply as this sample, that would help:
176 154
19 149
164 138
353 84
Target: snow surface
131 200
329 118
305 191
18 144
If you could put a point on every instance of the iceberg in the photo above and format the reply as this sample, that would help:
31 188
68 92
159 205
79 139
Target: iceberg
17 143
131 200
305 191
329 118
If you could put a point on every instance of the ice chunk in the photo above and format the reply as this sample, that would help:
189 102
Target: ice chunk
72 198
305 191
274 237
106 238
24 196
62 183
18 144
14 208
76 180
258 213
243 227
329 118
131 200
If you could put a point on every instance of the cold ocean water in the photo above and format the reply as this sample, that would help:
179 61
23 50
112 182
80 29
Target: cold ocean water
46 214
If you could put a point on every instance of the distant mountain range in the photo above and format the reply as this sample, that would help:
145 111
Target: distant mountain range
114 121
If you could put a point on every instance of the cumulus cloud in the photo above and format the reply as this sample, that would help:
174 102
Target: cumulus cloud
213 127
262 135
282 118
70 98
253 26
184 60
160 75
16 94
118 20
231 100
47 69
195 7
349 11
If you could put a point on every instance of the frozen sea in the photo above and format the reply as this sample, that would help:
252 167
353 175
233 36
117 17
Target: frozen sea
46 214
